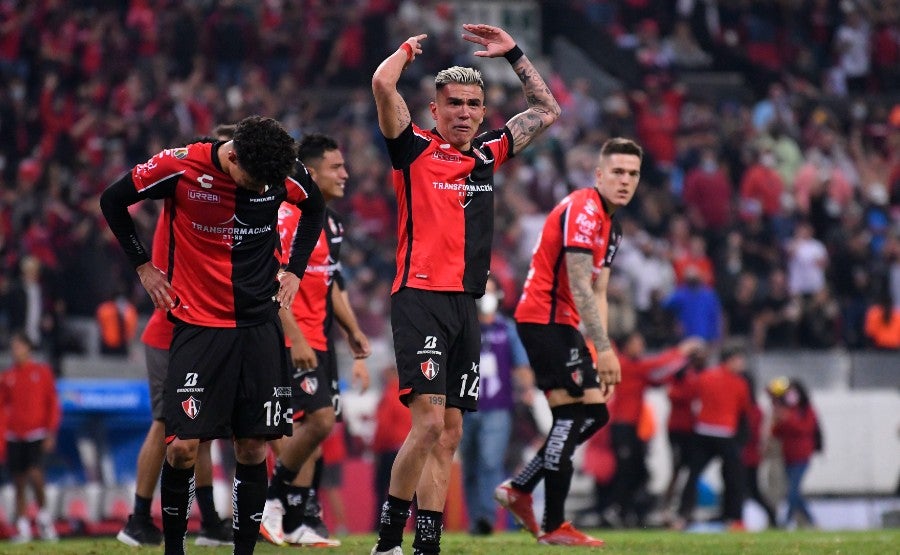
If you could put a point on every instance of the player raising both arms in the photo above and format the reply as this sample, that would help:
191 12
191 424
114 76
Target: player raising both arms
443 179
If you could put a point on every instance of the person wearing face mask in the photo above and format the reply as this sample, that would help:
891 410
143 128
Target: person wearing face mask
503 368
761 183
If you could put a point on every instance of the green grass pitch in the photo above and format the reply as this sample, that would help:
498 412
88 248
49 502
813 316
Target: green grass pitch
875 542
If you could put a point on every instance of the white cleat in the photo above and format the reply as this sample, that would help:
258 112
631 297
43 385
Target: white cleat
394 551
270 527
306 536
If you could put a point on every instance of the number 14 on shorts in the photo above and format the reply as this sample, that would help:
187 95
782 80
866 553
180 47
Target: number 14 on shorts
471 380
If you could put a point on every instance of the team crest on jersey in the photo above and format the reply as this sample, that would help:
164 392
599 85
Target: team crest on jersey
191 407
310 385
576 377
590 207
430 369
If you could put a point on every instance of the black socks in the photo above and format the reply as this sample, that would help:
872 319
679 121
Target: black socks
558 450
394 514
176 493
248 496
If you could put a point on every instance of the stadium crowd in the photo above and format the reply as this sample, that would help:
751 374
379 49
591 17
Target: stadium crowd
780 205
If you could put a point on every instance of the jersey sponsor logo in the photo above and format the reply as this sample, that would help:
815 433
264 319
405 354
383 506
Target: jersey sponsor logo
281 391
294 499
474 368
579 238
190 384
430 369
574 357
234 234
590 207
585 224
438 155
430 347
191 407
463 187
205 181
310 385
203 196
180 153
269 198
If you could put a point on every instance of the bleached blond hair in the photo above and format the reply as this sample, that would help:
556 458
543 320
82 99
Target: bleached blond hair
459 75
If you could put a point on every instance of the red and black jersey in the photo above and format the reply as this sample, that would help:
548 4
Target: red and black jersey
723 398
158 332
312 305
221 236
579 223
445 201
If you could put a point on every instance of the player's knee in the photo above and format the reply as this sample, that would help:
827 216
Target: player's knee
428 428
182 454
250 451
321 423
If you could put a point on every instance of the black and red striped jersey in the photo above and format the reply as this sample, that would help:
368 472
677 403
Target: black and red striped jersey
579 223
445 201
222 236
312 306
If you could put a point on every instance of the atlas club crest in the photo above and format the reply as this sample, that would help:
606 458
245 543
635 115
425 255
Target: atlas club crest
430 369
191 407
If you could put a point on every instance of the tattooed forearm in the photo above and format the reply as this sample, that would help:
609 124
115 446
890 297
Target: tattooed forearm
436 400
579 266
542 110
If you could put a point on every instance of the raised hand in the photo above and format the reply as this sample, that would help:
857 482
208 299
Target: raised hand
496 41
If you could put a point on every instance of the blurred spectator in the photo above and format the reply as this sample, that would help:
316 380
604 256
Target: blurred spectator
741 306
796 426
882 324
751 453
117 321
392 424
682 48
696 306
638 373
503 368
819 321
761 186
807 259
695 257
852 47
32 413
780 313
723 399
334 452
707 196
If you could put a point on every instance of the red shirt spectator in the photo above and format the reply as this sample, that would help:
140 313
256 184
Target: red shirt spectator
751 453
723 397
639 372
796 428
392 419
681 399
761 184
28 396
707 195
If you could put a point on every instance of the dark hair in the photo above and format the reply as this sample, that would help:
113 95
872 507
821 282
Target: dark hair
23 337
264 149
621 145
225 130
314 146
731 349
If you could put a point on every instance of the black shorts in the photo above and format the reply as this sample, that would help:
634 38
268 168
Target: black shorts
228 382
559 357
317 388
157 368
23 455
437 342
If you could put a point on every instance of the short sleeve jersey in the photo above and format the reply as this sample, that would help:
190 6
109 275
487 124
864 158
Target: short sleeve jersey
579 223
158 332
222 236
445 202
312 306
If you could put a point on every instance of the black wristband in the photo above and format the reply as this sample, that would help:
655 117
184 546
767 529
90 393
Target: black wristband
513 55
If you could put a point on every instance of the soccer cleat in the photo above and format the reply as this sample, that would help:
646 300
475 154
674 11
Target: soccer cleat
394 551
518 503
23 531
219 534
140 531
566 534
270 527
312 516
306 536
46 528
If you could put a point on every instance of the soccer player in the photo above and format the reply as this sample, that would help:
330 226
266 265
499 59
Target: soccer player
228 375
566 286
140 530
28 397
316 405
443 179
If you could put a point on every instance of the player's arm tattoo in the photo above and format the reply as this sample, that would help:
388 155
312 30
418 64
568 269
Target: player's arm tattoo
542 110
579 266
436 400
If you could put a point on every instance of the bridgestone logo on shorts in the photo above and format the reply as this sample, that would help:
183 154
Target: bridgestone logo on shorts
430 369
